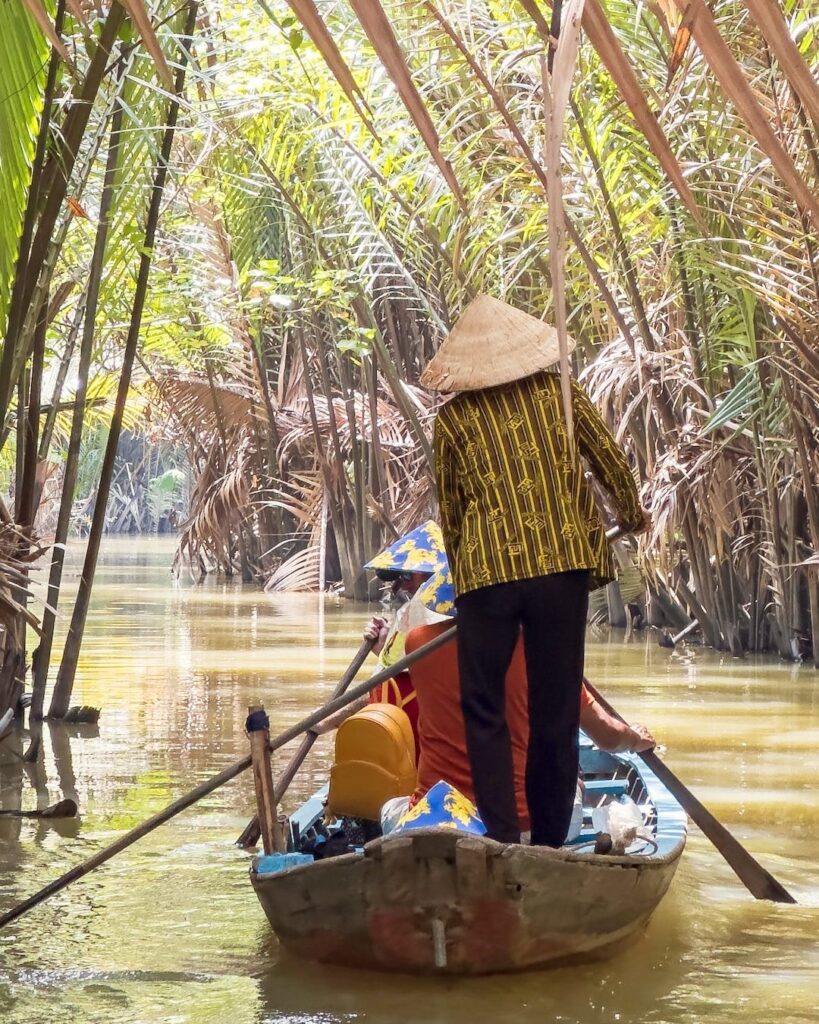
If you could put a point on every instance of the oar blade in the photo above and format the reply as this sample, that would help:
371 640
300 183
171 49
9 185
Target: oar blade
757 879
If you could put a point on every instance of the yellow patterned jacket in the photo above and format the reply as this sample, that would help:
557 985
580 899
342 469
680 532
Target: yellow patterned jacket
514 502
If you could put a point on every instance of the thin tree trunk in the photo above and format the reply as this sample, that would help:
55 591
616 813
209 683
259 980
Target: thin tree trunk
356 456
12 674
389 369
802 437
20 450
772 525
346 509
337 512
59 381
27 508
615 605
68 667
371 378
42 656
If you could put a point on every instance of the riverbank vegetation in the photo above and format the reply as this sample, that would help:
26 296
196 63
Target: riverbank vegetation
238 232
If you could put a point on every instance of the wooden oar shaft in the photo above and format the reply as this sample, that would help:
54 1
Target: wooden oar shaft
289 773
251 834
129 838
757 879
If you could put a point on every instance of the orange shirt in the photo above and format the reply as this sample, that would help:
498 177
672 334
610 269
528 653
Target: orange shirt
441 724
400 691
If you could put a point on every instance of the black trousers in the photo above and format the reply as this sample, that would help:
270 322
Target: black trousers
552 612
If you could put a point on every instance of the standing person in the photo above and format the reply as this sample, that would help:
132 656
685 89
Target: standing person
443 753
525 545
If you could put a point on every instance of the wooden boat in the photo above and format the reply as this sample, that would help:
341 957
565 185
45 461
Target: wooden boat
436 901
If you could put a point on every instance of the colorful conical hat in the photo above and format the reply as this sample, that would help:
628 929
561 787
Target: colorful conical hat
438 593
442 806
422 550
492 343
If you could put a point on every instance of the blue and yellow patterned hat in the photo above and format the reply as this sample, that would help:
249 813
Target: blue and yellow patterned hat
442 806
438 593
422 550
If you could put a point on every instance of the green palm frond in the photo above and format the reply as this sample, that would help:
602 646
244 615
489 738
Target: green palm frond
23 57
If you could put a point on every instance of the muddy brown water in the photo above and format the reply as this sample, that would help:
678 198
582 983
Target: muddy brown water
170 931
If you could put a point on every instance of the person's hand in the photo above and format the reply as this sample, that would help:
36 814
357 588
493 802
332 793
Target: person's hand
376 630
641 739
642 526
645 526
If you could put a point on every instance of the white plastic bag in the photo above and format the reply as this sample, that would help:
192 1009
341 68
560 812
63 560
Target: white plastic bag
622 820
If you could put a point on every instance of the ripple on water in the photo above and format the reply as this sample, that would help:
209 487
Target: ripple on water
170 931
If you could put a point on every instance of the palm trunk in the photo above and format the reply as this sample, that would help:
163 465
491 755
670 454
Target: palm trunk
13 671
812 501
27 507
356 456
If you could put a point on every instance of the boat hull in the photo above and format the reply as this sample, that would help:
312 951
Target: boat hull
441 902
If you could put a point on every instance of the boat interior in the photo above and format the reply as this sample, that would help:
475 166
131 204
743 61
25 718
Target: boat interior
606 779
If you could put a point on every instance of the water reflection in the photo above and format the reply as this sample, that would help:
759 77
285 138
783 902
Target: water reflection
171 931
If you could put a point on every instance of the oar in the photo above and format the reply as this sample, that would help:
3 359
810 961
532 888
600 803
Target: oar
5 722
759 882
252 831
124 841
62 809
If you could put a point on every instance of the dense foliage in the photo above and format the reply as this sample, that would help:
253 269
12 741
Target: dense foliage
320 229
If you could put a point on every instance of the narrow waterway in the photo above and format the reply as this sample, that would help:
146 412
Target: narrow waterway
170 931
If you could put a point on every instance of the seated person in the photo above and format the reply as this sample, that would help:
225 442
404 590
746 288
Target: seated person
442 736
406 564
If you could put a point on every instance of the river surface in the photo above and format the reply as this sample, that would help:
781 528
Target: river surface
170 931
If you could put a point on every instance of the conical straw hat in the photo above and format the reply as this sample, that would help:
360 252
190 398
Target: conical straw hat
493 343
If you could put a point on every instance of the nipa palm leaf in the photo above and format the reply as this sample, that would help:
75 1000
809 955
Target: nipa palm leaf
736 86
23 54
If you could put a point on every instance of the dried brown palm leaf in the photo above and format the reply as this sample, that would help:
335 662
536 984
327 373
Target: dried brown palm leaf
300 572
76 8
142 23
18 550
308 15
736 86
682 44
376 24
768 16
37 9
557 84
197 404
